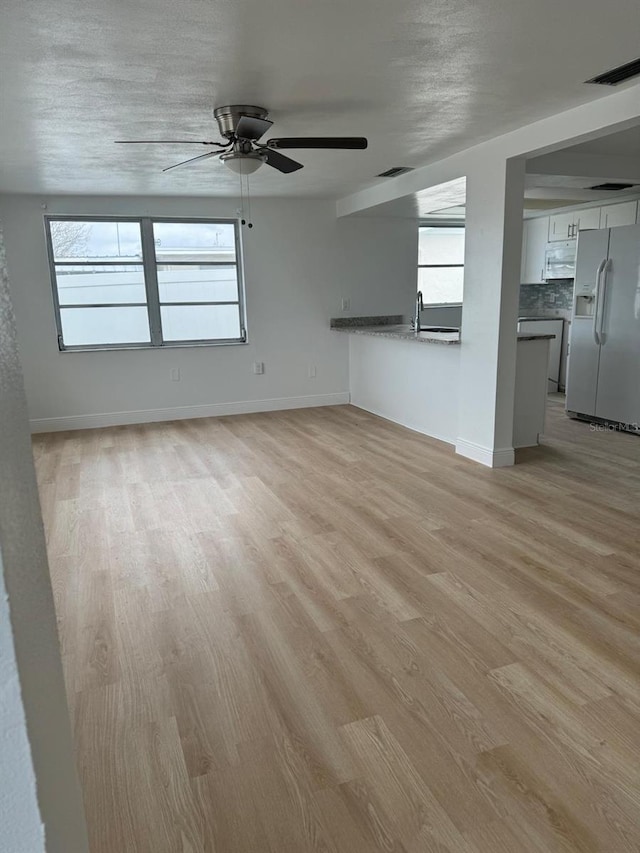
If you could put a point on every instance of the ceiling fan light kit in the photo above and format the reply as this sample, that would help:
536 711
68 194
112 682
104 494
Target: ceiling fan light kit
242 125
243 162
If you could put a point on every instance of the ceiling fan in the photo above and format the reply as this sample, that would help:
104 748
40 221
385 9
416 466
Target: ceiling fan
242 126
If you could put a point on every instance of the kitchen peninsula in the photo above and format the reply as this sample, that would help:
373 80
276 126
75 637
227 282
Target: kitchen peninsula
413 379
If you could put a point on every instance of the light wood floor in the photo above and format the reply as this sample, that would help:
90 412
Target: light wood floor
317 631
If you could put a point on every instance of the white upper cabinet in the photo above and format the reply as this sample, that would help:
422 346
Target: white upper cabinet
618 214
561 226
587 219
534 244
565 226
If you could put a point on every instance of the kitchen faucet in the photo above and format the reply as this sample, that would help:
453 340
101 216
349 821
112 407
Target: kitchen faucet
419 308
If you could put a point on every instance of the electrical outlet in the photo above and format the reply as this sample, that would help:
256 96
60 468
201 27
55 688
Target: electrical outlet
174 373
311 371
346 304
258 367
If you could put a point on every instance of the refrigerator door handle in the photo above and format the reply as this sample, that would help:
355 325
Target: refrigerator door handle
601 267
603 289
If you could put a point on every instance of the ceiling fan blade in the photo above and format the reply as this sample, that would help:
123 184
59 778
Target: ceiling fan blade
166 142
351 142
279 161
192 160
252 128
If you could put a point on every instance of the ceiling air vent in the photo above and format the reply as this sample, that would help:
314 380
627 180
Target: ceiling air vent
395 171
612 187
617 75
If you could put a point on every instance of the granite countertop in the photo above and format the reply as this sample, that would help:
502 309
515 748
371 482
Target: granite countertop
402 332
536 318
391 326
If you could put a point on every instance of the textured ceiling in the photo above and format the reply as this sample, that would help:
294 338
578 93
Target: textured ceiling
420 78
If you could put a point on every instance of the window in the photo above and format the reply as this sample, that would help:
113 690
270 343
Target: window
441 264
145 282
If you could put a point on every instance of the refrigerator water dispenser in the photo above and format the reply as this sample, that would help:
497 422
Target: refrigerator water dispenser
585 306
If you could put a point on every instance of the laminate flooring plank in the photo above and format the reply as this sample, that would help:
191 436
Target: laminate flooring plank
314 631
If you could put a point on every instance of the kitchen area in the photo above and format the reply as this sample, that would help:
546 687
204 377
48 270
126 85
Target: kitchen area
578 328
406 367
410 373
549 252
548 269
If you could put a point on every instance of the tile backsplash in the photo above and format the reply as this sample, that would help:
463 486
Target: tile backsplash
552 298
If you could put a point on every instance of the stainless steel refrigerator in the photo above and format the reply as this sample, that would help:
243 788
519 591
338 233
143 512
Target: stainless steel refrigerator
603 375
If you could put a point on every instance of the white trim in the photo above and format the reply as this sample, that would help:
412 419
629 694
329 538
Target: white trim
502 458
210 410
443 438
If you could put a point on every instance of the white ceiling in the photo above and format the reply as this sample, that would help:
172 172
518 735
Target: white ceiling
446 200
420 78
614 158
542 191
625 143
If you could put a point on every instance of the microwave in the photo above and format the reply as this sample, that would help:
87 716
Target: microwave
560 260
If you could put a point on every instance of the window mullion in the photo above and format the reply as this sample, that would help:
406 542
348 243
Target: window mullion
151 281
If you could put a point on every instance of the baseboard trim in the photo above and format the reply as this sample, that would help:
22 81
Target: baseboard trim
178 413
502 458
443 438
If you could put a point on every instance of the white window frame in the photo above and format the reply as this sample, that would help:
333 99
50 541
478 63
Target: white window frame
439 224
149 263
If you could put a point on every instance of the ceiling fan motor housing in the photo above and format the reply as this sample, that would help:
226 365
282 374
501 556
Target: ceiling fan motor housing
228 117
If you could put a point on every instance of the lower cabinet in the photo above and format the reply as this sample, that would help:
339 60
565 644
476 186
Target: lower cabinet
549 326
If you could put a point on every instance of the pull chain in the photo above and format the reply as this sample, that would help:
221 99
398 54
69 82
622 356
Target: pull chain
244 221
241 211
250 224
245 191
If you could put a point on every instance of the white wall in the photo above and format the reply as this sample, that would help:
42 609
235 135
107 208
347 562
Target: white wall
495 191
40 802
418 385
20 822
413 384
299 263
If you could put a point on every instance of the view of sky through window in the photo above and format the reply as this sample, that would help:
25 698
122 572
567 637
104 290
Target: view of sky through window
105 282
106 240
441 264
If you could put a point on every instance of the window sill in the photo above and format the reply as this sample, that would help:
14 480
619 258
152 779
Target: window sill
148 347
